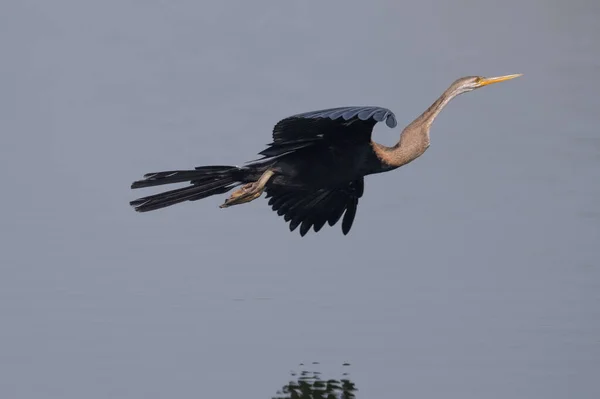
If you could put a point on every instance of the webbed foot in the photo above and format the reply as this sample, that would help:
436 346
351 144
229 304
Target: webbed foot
248 192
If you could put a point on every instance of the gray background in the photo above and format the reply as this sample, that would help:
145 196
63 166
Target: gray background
471 273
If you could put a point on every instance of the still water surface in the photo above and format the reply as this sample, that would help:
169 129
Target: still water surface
471 273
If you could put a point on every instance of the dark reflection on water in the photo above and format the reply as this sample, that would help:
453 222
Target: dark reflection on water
311 385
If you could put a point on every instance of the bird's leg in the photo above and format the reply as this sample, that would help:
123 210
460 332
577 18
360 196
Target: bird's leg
249 191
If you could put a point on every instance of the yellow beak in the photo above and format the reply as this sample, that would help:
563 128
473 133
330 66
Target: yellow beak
497 79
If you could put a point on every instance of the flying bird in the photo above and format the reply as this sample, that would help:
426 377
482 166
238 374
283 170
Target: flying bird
313 171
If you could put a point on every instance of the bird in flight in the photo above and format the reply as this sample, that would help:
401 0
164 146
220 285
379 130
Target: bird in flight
313 171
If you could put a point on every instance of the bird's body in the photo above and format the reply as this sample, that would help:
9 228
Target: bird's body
324 166
313 171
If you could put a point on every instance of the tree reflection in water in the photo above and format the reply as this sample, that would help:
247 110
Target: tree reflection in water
310 385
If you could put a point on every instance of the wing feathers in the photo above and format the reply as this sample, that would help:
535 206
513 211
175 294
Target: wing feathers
311 128
306 209
378 114
349 215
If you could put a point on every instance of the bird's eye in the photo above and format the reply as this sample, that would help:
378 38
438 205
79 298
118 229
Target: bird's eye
477 81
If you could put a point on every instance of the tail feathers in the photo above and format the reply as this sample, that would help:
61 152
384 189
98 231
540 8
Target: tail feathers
206 181
178 176
191 193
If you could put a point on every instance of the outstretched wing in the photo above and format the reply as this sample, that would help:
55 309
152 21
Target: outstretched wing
344 124
315 208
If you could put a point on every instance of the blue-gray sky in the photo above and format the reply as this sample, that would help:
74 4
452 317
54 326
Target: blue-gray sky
470 273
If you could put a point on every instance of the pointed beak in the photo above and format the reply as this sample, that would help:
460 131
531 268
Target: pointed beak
497 79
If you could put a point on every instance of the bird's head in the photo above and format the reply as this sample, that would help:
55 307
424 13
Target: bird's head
470 83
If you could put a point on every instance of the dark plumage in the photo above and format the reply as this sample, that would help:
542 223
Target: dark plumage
313 171
316 181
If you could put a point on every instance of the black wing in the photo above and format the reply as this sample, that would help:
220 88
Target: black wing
344 123
315 208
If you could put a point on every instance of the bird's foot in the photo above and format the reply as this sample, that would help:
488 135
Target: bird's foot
248 192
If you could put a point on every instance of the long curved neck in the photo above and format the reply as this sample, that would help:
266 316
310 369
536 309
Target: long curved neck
414 139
